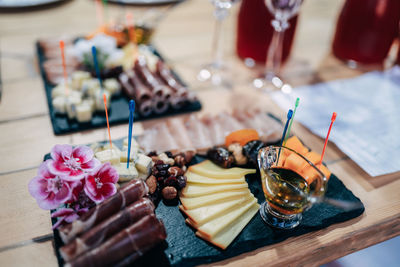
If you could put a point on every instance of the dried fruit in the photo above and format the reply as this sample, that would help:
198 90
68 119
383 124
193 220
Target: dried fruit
159 162
169 192
162 167
220 156
166 159
175 171
169 154
180 160
242 137
181 181
152 154
171 181
237 151
250 150
152 184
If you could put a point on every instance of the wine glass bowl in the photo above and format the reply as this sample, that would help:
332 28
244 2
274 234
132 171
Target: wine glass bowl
282 11
291 185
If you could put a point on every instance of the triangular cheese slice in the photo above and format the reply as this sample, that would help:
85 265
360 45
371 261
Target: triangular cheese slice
212 228
200 179
197 202
207 213
224 238
211 170
195 190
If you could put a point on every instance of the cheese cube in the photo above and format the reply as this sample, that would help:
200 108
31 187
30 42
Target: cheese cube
72 102
59 104
90 87
112 86
109 155
133 155
77 77
84 112
144 164
126 174
100 100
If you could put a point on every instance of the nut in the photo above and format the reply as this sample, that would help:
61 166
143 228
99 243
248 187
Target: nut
169 192
180 160
154 158
166 159
152 184
237 151
175 171
189 155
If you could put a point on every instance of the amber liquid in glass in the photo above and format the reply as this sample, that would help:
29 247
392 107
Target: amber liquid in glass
285 190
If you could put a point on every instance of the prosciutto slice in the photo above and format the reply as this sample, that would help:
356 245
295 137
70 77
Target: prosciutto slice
199 134
134 240
128 194
103 231
215 129
180 134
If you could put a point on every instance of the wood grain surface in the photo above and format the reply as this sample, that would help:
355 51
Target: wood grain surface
184 38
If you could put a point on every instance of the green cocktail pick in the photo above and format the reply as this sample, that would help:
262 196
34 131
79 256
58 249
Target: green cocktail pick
291 121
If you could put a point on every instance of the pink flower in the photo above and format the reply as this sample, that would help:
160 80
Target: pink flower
67 215
100 184
72 163
48 189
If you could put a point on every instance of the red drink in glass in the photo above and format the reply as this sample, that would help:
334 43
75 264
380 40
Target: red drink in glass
254 32
366 30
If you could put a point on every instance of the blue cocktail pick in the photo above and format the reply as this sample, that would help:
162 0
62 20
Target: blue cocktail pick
131 114
96 65
289 117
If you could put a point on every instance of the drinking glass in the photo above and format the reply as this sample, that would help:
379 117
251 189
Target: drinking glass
282 11
291 185
215 72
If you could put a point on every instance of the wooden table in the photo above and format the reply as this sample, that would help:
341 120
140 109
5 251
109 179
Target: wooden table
184 37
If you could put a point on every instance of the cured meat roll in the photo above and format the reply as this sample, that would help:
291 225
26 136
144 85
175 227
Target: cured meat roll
136 239
130 193
103 231
150 80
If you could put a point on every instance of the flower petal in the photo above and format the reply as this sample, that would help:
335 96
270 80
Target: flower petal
95 197
60 152
58 167
108 174
49 203
38 188
83 153
91 165
63 194
108 189
62 212
44 171
91 185
72 217
58 223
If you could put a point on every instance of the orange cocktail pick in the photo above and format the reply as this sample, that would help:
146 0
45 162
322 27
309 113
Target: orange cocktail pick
108 124
99 13
327 137
131 27
62 48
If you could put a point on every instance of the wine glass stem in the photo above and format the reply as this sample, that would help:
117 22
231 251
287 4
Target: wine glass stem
274 55
220 15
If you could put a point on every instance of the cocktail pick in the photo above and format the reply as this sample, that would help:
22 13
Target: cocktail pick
62 48
327 137
96 65
131 113
289 116
291 121
108 124
99 13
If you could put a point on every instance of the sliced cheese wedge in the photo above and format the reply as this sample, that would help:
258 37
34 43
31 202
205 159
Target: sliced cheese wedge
197 202
200 179
213 227
211 170
195 190
207 213
224 238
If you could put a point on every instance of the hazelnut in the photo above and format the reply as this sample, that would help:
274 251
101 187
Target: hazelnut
180 160
175 171
152 184
166 159
169 192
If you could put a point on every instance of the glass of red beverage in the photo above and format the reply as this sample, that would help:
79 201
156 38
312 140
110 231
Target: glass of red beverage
366 30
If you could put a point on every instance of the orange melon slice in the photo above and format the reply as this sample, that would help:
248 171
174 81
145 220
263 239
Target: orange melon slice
295 162
295 144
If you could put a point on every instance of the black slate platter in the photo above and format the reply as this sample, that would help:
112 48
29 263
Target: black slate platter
119 110
183 248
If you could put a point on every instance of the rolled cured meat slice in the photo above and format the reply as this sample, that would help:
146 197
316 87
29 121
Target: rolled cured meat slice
178 130
103 231
135 89
150 80
128 194
215 129
136 239
198 134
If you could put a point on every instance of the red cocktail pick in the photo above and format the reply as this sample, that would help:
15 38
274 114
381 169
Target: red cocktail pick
327 137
